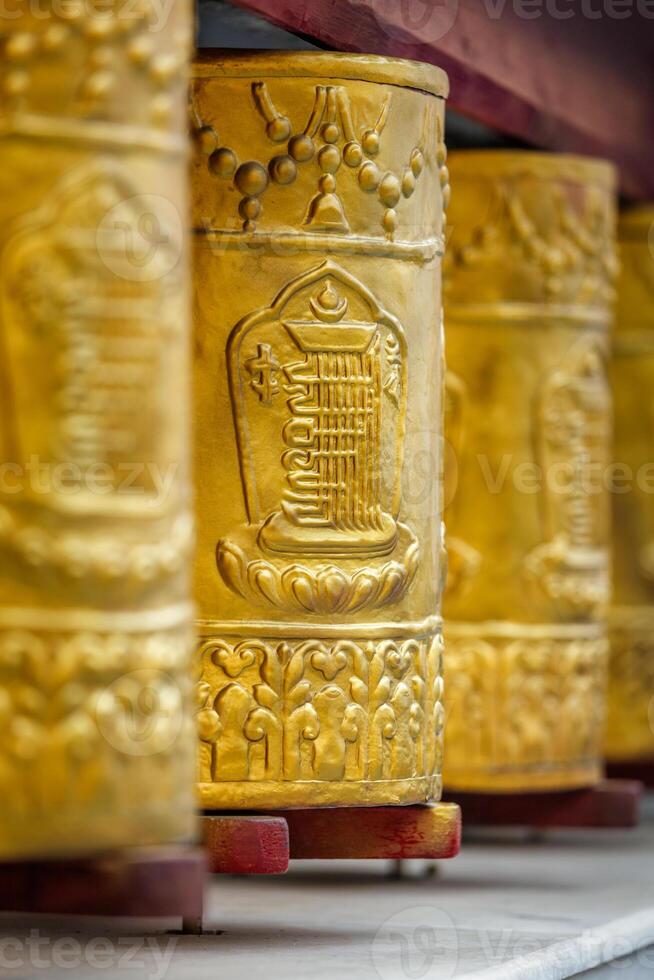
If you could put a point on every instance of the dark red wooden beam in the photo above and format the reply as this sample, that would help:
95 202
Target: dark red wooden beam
144 882
641 770
579 81
612 804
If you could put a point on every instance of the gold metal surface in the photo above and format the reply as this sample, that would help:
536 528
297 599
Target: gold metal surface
631 676
528 285
318 239
95 525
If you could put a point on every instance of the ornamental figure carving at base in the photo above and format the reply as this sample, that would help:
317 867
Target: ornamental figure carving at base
630 733
318 241
96 723
528 284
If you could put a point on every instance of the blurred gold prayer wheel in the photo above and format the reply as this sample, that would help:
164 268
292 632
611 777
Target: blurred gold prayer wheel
631 622
528 286
318 240
95 524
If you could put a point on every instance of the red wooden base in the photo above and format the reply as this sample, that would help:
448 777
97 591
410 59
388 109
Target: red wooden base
639 769
432 831
263 844
149 882
244 844
612 803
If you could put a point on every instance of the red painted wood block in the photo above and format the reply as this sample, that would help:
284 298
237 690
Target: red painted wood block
612 803
573 83
148 882
641 770
432 831
244 844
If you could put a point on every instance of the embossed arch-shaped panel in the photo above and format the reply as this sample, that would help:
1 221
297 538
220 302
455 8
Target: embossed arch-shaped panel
319 389
573 435
91 311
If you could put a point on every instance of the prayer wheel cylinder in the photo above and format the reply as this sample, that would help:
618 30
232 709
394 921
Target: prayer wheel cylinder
528 288
630 736
95 518
319 184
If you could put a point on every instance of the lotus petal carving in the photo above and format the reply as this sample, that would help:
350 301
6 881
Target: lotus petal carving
320 588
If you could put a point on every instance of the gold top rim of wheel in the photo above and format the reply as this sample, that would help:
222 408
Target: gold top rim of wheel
217 63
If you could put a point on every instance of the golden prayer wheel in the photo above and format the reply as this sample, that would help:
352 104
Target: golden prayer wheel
318 239
631 674
95 522
528 287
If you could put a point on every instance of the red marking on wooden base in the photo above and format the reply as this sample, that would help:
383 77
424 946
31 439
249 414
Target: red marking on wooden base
244 844
612 803
148 882
575 85
641 770
432 831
